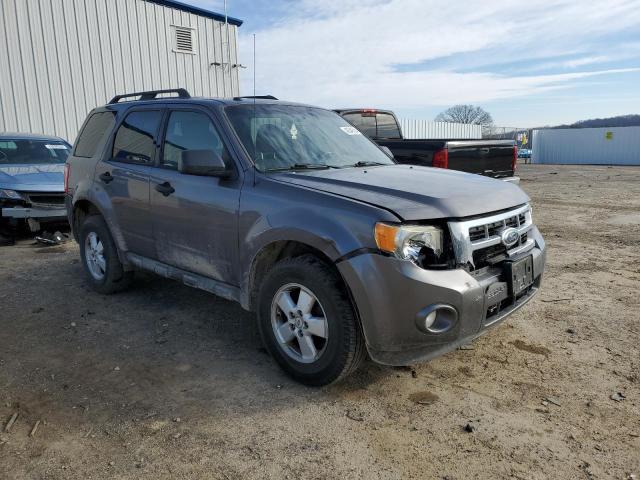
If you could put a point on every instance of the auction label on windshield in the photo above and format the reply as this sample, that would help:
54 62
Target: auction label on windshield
56 147
350 130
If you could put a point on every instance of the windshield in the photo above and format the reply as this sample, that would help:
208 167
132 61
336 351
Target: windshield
29 152
282 137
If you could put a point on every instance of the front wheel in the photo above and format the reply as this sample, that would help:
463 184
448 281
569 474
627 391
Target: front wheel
307 321
100 257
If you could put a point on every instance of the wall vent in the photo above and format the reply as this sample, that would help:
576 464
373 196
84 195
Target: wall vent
183 39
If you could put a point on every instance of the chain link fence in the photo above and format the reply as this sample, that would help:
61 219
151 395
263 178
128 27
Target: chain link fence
424 129
522 136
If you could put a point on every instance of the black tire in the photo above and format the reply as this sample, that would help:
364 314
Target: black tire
7 236
345 348
115 278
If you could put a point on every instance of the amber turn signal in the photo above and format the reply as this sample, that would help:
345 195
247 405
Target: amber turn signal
386 237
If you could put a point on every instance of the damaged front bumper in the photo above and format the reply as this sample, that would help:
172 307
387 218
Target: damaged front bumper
395 297
33 216
35 213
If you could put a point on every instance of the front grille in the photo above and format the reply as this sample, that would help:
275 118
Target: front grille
477 233
511 222
45 198
493 229
478 242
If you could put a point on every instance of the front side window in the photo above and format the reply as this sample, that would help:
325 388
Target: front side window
93 133
190 131
285 136
134 142
30 152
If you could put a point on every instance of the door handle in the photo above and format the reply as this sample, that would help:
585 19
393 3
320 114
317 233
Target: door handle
106 177
165 188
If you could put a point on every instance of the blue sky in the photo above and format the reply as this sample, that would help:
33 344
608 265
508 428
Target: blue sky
534 63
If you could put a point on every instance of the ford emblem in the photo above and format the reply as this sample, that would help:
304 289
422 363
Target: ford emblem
510 237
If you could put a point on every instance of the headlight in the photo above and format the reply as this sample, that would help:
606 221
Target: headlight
12 194
423 245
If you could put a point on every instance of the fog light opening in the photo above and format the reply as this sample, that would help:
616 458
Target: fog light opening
430 319
436 319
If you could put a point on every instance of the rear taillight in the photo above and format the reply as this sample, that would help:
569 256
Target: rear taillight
66 178
514 162
441 158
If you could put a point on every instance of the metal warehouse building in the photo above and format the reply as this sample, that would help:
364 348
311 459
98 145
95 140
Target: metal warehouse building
597 146
61 58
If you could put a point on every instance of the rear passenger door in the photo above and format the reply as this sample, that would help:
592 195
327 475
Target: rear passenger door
195 218
123 176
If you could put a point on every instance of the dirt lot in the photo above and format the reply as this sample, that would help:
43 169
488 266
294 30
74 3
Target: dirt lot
168 382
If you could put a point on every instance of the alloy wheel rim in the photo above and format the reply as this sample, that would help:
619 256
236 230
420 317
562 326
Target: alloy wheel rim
94 256
299 323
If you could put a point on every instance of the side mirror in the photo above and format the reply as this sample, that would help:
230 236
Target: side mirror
387 151
206 163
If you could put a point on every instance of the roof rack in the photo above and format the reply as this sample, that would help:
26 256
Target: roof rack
257 97
151 94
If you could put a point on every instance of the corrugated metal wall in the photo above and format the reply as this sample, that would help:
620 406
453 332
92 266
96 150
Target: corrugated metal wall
61 58
600 146
425 129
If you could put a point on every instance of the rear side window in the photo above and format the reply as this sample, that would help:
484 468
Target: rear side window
93 133
365 123
134 142
387 126
190 131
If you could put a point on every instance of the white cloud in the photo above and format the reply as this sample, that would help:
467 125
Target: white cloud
581 62
345 53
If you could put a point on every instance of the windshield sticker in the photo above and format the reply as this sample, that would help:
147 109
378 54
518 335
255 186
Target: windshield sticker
293 132
350 130
56 147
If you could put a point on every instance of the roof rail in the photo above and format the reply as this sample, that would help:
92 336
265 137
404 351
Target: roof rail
151 94
257 97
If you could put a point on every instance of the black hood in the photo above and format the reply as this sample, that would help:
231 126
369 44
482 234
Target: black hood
412 192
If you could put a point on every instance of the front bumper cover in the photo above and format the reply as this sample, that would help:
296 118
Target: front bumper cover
36 213
389 293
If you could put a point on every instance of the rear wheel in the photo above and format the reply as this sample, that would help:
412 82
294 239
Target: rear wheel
100 259
307 321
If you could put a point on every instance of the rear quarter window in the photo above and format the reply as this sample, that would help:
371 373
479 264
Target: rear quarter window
387 126
365 123
93 134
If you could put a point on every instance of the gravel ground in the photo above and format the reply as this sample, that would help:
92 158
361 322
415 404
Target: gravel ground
164 381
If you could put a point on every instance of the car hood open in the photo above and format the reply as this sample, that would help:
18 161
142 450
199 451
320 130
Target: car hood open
32 178
413 192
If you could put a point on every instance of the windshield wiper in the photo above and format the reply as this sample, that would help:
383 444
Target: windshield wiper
301 166
365 164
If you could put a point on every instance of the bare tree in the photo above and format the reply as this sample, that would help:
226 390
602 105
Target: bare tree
468 114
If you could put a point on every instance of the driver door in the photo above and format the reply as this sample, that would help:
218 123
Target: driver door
195 218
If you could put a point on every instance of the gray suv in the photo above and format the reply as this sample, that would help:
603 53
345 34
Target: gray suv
292 212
